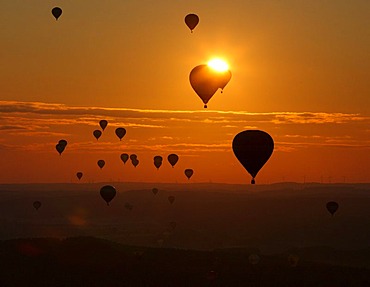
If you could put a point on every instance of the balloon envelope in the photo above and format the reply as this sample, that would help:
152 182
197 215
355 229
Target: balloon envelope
107 192
135 162
191 20
57 12
173 159
79 175
205 81
120 132
171 199
103 124
63 143
97 134
101 163
253 148
158 161
189 172
332 207
124 157
133 156
60 148
37 204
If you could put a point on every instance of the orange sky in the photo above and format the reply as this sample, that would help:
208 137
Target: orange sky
300 72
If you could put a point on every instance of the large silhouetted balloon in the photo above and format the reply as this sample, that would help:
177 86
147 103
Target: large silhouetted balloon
57 12
79 175
124 157
107 192
103 124
191 20
173 159
97 134
158 161
120 132
101 163
189 173
171 199
155 190
332 207
37 204
206 81
253 148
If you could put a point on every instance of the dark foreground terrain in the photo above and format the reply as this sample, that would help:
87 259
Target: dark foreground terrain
88 261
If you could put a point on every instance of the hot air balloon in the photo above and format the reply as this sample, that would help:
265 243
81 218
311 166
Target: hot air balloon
293 260
57 12
158 161
133 156
171 199
206 81
332 207
129 206
173 159
63 143
97 134
124 157
253 148
101 163
103 124
37 204
79 175
155 191
60 148
191 20
120 132
189 172
135 162
107 192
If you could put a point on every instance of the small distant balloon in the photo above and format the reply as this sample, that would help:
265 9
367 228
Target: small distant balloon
129 206
101 163
135 162
133 156
120 132
108 192
173 225
155 190
189 173
191 20
79 175
60 148
63 143
171 199
37 204
158 161
57 12
293 260
103 124
124 157
97 134
253 149
332 207
173 159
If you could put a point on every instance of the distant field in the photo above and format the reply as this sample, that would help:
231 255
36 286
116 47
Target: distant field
273 218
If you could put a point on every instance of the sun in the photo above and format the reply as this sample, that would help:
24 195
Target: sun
218 65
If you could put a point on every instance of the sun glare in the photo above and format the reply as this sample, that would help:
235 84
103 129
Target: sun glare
218 65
